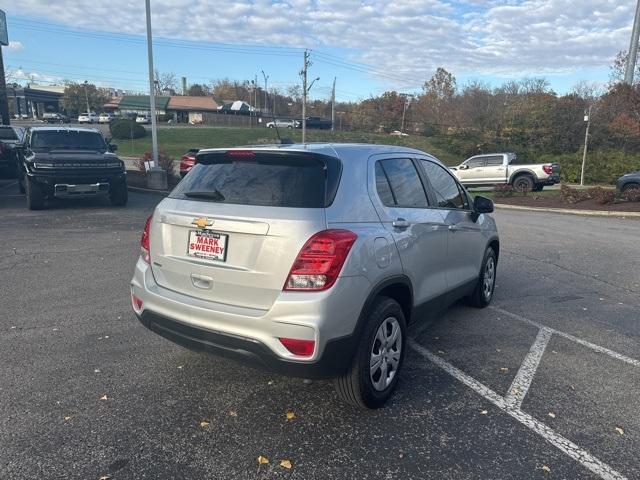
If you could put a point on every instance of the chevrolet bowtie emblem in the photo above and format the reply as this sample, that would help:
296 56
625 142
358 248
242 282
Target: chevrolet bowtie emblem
202 222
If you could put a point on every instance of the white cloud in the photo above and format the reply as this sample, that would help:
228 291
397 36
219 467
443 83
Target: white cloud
407 38
15 46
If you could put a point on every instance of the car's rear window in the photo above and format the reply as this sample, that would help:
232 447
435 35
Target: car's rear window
279 179
8 134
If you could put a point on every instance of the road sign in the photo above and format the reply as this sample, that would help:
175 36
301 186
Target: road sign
4 36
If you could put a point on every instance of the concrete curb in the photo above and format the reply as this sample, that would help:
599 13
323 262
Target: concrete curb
163 193
569 211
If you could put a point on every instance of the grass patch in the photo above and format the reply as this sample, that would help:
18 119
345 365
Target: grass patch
177 140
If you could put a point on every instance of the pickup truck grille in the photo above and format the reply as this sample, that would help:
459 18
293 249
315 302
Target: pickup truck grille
75 165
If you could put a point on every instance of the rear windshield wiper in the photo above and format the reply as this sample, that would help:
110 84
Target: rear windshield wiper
214 195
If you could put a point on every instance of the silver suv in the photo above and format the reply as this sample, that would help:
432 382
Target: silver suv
311 260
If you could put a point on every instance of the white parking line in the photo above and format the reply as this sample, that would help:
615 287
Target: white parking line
565 445
522 381
592 346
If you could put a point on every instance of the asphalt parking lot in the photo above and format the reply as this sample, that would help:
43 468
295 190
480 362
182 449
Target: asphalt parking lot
543 384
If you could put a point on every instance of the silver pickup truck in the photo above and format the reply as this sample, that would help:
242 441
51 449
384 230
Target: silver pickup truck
499 168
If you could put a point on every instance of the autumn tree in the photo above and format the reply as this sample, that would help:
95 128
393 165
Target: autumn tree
198 90
77 95
165 82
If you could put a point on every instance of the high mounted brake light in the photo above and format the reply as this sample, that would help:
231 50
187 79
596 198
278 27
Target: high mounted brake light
320 261
240 153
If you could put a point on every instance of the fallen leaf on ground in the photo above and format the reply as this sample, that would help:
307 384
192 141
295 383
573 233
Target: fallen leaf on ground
204 424
97 370
286 464
233 413
516 391
270 382
483 412
104 397
440 352
572 387
552 415
105 477
263 460
620 430
546 469
290 415
179 367
67 418
401 455
504 369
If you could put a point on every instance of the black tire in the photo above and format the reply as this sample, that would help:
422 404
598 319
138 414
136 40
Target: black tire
483 293
270 126
631 186
119 195
523 183
35 195
290 127
356 386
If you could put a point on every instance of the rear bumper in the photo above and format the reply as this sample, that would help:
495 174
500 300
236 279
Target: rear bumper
250 335
334 361
551 179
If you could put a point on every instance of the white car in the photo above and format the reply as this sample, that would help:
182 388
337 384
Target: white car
143 119
105 118
89 117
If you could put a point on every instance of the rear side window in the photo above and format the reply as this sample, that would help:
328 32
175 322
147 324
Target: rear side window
494 161
284 179
405 186
8 134
445 188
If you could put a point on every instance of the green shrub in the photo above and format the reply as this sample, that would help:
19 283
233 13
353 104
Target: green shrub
126 129
603 166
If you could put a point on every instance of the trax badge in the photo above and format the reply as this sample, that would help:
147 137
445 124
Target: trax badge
202 222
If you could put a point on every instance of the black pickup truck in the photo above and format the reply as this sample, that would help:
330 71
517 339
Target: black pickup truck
10 137
69 163
317 122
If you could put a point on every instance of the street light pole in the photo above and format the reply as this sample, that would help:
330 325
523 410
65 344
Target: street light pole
404 111
86 95
266 77
152 97
587 118
633 48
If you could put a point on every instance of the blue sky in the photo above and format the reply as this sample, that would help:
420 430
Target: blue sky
370 45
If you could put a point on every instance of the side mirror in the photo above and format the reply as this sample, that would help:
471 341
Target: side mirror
464 166
482 205
113 147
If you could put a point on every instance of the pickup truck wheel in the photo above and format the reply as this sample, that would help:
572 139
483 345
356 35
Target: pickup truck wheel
35 195
289 127
483 293
270 126
119 195
373 375
523 183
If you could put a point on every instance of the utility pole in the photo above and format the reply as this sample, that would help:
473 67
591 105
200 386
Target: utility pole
333 104
633 48
152 97
266 77
404 111
587 118
303 73
86 95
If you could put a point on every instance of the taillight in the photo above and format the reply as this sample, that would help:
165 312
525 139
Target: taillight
320 261
548 169
145 243
136 302
301 348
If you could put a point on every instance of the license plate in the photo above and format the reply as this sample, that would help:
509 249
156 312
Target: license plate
207 245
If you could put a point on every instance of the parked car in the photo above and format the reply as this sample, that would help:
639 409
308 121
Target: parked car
88 117
69 163
283 123
311 260
105 118
55 118
628 182
317 122
499 168
10 138
143 119
188 160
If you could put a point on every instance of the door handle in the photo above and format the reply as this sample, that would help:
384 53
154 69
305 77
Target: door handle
400 223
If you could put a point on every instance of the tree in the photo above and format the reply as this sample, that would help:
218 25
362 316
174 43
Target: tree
437 94
198 90
165 82
619 67
76 95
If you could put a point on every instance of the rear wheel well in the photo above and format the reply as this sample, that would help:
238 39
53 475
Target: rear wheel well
401 293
